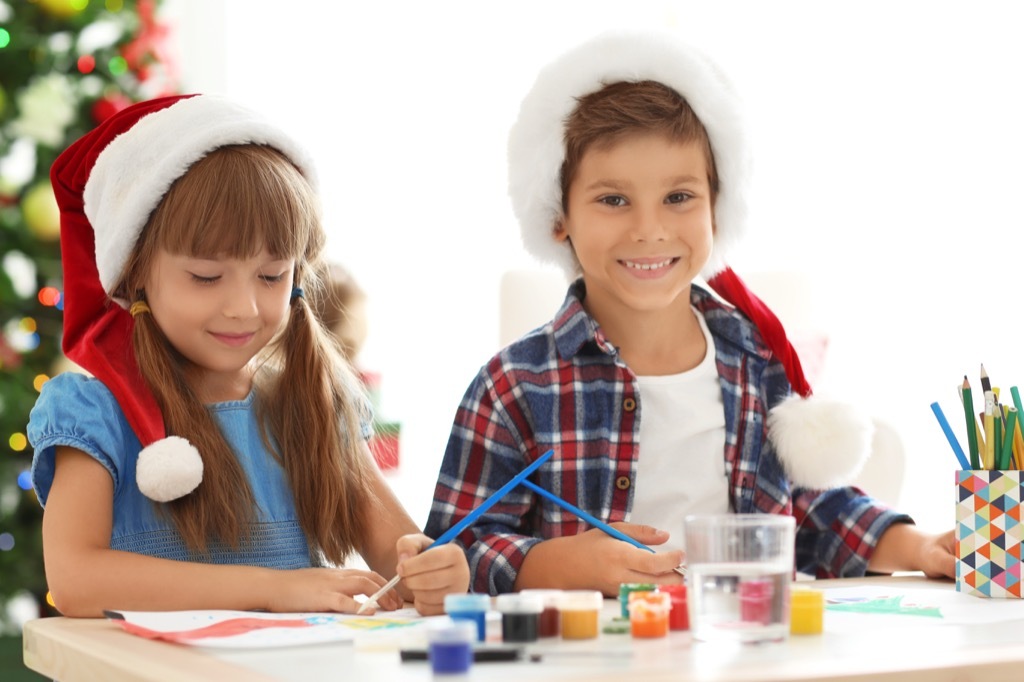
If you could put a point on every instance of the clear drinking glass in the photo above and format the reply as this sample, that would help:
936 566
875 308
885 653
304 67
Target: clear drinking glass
740 567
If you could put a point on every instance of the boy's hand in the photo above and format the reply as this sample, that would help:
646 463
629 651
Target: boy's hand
937 555
326 589
904 547
596 561
429 576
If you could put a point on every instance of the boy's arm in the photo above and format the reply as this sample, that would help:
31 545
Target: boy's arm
839 529
484 453
85 576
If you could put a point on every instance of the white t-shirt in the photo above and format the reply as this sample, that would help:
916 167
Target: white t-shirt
681 464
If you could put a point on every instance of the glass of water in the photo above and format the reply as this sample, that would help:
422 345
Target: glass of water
740 567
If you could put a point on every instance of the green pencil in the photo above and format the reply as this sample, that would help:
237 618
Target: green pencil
972 436
1011 422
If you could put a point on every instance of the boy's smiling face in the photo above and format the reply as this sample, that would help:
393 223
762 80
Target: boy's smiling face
640 221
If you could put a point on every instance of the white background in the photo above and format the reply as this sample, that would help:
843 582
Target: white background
888 149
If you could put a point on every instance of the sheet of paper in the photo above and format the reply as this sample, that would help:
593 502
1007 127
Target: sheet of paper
880 607
252 629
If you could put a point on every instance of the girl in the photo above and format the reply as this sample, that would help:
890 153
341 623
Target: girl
191 240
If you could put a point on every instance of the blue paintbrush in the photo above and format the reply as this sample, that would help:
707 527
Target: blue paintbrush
452 532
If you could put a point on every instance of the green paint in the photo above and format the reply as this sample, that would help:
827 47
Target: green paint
885 605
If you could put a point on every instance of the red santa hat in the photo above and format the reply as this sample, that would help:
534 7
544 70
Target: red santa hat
107 184
821 443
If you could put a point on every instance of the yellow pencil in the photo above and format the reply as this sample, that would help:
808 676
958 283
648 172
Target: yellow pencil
989 461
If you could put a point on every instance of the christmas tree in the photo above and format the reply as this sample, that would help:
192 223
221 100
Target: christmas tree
65 65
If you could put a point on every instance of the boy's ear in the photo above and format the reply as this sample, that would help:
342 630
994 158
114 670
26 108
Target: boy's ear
559 232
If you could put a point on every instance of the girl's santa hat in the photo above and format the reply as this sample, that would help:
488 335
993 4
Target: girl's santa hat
107 184
821 443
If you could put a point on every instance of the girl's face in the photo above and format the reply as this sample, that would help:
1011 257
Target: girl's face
219 313
640 222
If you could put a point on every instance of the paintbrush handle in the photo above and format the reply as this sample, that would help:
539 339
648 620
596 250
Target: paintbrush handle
593 521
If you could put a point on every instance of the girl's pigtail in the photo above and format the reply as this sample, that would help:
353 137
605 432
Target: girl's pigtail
213 511
316 421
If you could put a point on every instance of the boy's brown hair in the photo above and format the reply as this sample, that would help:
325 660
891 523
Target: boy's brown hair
230 204
618 110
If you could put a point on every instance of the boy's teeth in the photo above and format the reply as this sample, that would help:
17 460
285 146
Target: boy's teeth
647 266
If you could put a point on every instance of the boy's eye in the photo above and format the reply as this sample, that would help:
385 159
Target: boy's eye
613 200
199 279
676 198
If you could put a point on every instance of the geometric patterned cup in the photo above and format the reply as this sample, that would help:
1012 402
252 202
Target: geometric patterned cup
989 533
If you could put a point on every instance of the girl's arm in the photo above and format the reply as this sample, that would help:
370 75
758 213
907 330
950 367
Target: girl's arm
394 542
85 576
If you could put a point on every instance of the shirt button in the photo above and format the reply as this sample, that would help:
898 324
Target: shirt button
629 404
622 482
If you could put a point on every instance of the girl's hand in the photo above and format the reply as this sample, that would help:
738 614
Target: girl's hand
430 575
326 589
596 561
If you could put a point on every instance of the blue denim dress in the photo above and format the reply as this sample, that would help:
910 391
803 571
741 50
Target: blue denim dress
80 412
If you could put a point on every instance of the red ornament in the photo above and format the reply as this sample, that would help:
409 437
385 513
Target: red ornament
150 45
107 106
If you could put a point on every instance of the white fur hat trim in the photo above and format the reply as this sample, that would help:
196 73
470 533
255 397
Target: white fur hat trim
137 168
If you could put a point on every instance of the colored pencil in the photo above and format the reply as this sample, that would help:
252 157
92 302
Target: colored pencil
453 532
1015 395
972 424
1011 423
989 460
953 442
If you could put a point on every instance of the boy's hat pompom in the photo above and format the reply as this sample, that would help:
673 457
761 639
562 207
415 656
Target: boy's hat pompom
107 184
820 443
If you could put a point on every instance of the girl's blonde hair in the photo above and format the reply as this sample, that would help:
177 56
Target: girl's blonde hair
232 203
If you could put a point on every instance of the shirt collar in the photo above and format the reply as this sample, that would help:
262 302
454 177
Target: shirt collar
573 326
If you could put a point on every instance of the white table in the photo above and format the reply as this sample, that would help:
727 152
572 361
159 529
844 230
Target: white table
70 650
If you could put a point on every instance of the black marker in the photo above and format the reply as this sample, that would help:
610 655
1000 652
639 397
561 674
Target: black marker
481 655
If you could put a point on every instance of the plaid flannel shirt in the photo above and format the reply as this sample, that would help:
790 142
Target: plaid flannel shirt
564 387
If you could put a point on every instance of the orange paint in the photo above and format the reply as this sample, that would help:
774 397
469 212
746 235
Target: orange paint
648 613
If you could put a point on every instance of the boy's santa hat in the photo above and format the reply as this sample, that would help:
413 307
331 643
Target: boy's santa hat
821 443
107 184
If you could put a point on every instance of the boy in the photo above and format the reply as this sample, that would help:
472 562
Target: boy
628 168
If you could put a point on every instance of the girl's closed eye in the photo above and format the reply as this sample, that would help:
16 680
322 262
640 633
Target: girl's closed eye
200 279
273 279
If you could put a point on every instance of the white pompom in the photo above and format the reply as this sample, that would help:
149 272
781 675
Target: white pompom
168 469
820 443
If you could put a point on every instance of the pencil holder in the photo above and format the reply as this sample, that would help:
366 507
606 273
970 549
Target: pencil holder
989 533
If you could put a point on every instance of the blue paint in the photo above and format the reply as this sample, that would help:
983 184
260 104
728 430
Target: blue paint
450 648
470 607
450 657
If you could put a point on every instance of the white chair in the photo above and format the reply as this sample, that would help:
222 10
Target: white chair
527 298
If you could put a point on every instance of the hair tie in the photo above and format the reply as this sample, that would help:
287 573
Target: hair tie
297 292
138 308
